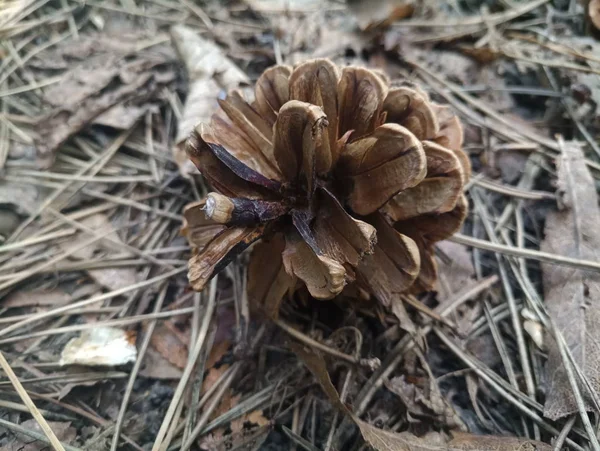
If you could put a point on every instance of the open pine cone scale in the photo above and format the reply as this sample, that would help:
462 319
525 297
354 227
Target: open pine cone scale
344 178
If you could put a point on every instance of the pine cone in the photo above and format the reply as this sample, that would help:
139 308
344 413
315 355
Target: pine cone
342 177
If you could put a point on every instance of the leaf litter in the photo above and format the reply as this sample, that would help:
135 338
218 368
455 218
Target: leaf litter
571 294
92 242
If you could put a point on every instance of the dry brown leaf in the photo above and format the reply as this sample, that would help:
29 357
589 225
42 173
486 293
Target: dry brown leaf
217 352
63 431
209 72
172 344
572 295
380 13
455 269
250 440
594 12
111 278
94 86
465 442
379 439
433 405
382 440
36 297
155 366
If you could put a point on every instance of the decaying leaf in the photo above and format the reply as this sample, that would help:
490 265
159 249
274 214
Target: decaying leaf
111 278
209 71
254 420
464 441
63 431
594 12
100 346
380 13
115 76
155 366
37 297
433 405
319 148
382 440
171 343
455 269
572 295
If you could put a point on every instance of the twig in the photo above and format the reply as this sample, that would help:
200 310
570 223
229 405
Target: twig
160 443
135 370
372 363
526 253
54 441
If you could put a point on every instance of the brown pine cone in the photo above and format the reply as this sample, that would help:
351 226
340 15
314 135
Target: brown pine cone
342 177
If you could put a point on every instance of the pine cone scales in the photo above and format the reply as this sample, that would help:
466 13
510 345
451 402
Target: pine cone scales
343 177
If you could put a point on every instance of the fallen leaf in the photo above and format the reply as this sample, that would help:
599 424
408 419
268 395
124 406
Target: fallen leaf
455 269
217 352
572 296
594 13
23 198
111 278
63 431
465 441
209 71
112 76
249 440
380 13
123 116
36 297
100 346
155 366
171 343
382 440
418 403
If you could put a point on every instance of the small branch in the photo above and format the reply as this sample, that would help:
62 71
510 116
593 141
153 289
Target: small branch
30 405
525 253
372 363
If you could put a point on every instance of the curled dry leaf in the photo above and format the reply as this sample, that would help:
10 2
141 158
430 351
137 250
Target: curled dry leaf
209 71
572 295
100 346
324 164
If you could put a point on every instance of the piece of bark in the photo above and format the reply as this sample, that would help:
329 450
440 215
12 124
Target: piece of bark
209 71
572 296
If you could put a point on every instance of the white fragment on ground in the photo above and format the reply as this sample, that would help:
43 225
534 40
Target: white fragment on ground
102 346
